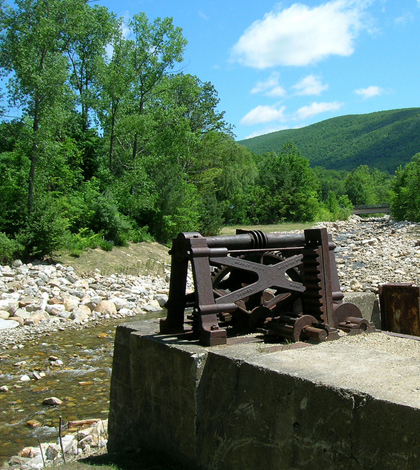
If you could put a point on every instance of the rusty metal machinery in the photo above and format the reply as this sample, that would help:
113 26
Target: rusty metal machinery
283 285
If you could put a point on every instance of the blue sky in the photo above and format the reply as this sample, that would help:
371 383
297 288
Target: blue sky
283 65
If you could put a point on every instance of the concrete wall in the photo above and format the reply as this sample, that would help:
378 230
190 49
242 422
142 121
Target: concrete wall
243 407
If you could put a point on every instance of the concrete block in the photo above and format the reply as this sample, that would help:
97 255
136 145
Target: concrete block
339 405
368 304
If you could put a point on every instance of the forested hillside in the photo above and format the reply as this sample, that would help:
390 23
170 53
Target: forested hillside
383 140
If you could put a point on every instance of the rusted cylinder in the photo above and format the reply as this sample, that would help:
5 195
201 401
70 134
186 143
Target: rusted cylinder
315 333
248 241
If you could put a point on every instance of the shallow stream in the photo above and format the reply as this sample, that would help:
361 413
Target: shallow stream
77 367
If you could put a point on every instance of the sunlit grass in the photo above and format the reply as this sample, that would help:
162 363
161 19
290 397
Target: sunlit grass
286 227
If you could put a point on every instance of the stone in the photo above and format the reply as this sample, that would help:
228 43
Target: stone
161 299
106 307
9 305
52 451
80 314
55 308
4 314
52 401
26 452
152 307
33 423
8 324
119 302
71 303
22 313
36 318
23 303
69 444
19 320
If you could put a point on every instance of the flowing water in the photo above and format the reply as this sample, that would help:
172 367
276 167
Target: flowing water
77 366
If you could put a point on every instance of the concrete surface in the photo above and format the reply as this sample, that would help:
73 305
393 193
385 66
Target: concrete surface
348 404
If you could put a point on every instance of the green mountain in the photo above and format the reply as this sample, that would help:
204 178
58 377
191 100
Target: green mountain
383 140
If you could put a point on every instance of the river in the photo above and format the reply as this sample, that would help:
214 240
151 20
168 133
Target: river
77 366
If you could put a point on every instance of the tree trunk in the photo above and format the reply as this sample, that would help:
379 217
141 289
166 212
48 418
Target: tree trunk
34 158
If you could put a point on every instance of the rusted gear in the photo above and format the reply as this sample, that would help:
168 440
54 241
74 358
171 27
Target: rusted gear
253 310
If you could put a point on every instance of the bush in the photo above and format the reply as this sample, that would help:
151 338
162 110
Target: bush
338 208
139 235
10 249
44 229
77 243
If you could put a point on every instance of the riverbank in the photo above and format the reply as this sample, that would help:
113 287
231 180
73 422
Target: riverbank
45 299
39 298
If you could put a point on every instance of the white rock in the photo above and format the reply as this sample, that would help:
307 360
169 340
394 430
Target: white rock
8 324
4 314
81 313
105 307
119 302
53 451
71 303
55 309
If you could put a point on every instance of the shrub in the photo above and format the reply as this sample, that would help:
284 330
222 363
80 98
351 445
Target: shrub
44 229
10 249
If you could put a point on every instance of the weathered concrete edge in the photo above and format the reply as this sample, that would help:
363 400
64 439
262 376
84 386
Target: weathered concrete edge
235 414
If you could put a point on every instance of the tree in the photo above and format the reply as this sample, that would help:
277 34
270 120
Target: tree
287 188
30 53
405 193
366 186
115 80
85 35
155 49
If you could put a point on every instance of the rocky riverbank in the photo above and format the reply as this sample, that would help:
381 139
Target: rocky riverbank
37 299
84 438
371 252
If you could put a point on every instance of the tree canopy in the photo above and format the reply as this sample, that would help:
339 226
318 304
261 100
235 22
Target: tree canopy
114 143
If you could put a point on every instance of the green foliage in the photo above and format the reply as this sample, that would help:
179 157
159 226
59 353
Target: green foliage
77 243
337 208
10 249
162 158
14 169
405 193
179 211
287 188
44 228
366 186
383 140
331 180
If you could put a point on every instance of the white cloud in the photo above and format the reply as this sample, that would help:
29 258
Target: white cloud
270 87
310 85
317 108
402 20
300 35
262 114
369 92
